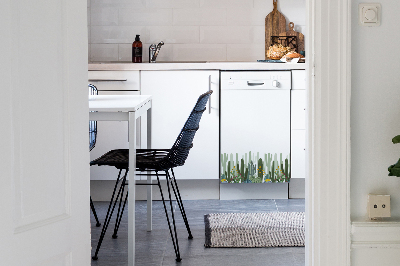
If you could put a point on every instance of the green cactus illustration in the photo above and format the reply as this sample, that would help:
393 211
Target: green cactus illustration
260 169
224 160
228 176
242 170
253 168
272 172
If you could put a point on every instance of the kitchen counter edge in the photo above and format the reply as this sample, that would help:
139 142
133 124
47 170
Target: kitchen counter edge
195 66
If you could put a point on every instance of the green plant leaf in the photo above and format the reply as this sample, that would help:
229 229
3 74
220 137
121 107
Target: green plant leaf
394 170
396 139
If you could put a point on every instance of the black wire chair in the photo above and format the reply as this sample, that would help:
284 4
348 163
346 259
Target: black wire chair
154 160
92 143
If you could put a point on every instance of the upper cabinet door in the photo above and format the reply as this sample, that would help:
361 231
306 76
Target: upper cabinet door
44 160
174 96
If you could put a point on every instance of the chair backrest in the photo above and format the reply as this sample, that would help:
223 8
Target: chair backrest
92 124
180 150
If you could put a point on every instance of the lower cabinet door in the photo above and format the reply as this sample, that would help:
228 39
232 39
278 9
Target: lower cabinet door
298 153
174 96
298 112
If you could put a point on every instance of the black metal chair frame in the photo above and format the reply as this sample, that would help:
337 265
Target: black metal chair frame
154 161
92 143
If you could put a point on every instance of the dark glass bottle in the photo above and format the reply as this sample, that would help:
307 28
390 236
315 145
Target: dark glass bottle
137 50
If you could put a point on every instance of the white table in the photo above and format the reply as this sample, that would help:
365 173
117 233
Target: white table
127 108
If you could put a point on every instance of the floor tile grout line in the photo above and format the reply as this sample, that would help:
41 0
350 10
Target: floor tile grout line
276 205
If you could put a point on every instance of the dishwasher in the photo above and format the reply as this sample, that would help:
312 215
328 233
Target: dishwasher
254 134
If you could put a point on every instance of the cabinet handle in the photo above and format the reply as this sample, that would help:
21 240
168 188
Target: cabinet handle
100 80
254 83
209 99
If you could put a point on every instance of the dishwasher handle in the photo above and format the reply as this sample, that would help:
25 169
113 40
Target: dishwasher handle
249 83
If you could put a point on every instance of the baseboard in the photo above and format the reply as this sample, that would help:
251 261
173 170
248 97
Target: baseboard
199 189
297 188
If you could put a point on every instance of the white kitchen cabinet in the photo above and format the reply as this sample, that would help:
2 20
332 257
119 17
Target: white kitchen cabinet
115 80
298 112
298 79
174 96
298 154
112 134
298 125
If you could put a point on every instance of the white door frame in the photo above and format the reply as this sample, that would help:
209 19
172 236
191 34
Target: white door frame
328 140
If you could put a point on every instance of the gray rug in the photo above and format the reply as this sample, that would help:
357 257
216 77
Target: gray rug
238 230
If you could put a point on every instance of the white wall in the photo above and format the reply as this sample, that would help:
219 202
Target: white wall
375 120
375 108
193 30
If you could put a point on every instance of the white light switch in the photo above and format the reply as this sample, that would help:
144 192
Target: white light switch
369 14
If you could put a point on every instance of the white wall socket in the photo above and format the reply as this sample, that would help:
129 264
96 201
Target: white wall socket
378 206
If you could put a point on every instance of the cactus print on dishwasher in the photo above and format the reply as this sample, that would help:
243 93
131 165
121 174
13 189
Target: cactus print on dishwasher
251 168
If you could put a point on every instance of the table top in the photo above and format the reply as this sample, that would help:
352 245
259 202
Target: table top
117 103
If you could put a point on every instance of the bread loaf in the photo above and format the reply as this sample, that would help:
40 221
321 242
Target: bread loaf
293 55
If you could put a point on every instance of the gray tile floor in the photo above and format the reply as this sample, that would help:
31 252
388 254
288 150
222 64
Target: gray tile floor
155 248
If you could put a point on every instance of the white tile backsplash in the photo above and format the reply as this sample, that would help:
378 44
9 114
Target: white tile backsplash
199 16
172 3
239 4
192 30
125 52
226 3
115 34
246 17
199 52
173 34
119 3
224 34
103 52
245 52
294 11
214 3
145 16
104 16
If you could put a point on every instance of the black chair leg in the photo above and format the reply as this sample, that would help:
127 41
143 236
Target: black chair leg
94 213
109 213
174 239
180 203
120 211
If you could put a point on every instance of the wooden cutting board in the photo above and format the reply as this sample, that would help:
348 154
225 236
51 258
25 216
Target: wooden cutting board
292 32
275 23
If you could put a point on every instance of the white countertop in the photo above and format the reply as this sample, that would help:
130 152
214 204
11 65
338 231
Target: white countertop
196 66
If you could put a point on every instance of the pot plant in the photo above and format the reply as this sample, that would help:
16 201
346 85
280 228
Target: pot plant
394 169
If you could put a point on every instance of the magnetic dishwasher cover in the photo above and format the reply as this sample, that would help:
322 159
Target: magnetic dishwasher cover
255 134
